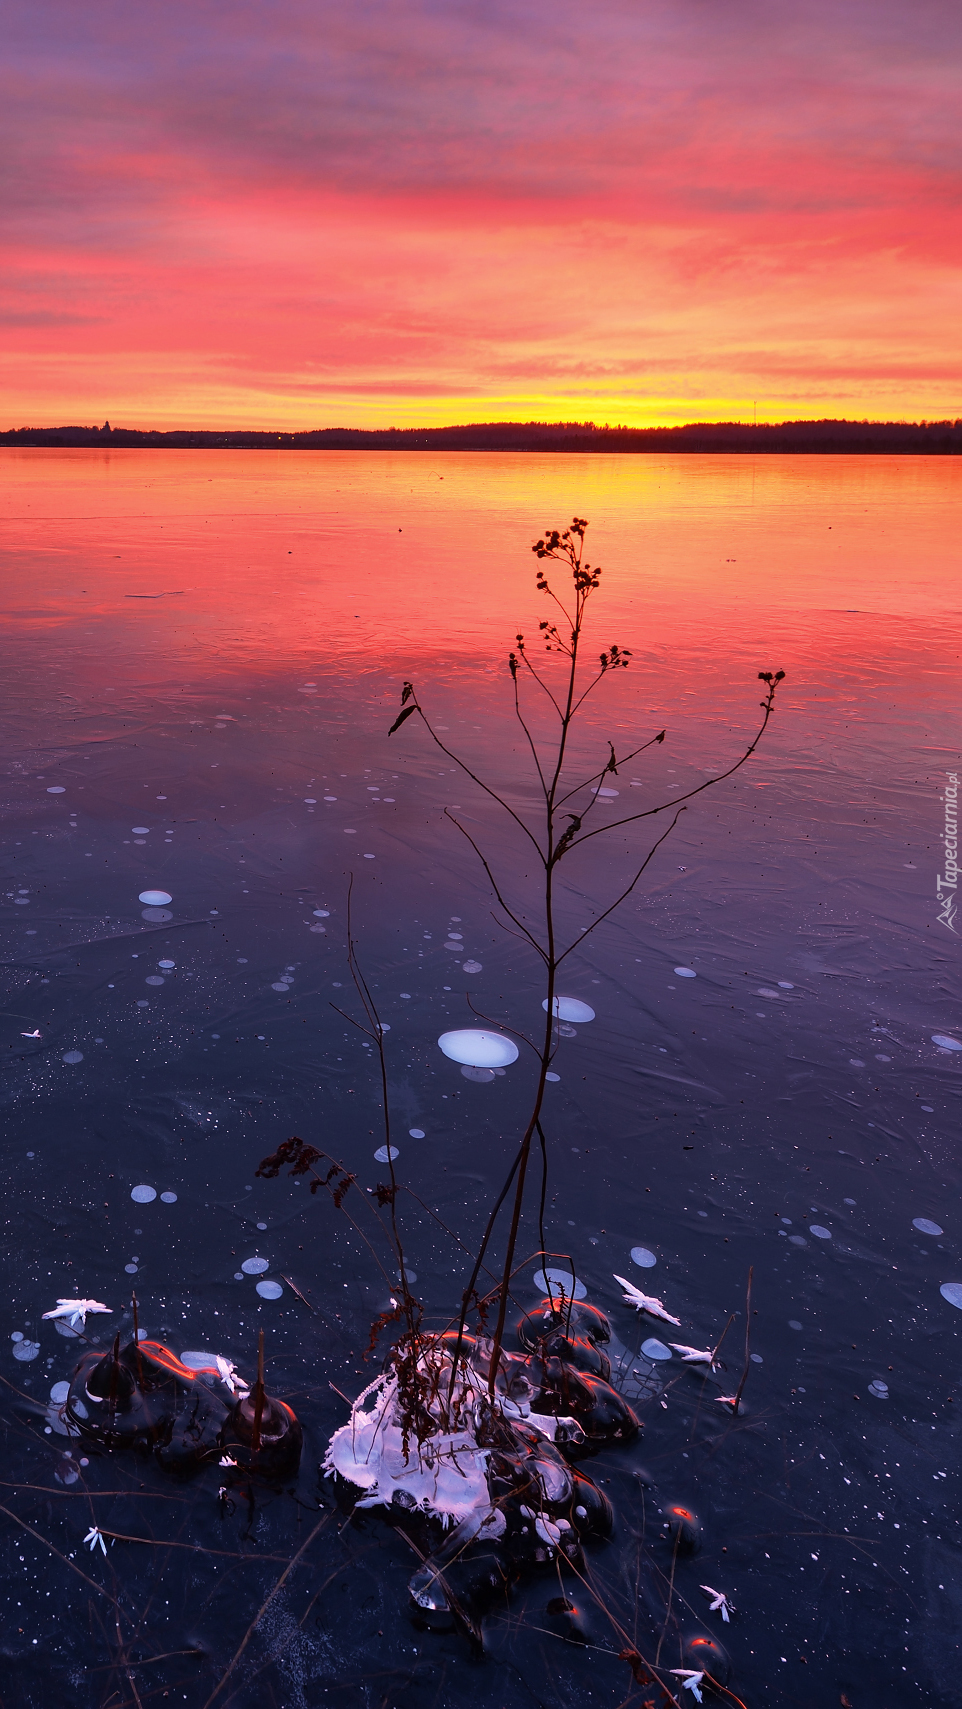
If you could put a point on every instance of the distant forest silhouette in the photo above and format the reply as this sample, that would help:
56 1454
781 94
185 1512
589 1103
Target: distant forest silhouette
877 438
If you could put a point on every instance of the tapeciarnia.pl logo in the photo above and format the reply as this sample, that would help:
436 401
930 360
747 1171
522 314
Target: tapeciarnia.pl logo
947 882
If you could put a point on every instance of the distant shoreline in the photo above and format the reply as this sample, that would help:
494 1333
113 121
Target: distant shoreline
794 438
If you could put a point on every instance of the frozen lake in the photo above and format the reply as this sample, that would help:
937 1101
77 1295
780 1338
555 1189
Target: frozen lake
203 655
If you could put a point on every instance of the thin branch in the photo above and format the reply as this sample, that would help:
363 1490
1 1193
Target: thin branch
538 679
493 1022
415 706
625 893
263 1610
709 783
748 1341
501 901
66 1560
597 776
531 741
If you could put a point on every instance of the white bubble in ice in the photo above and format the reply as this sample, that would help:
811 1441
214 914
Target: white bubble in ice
478 1074
785 985
381 1154
59 1393
416 1132
569 1009
255 1266
686 972
168 1198
66 1330
609 794
144 1195
478 1049
641 1256
131 1269
766 991
798 1240
944 1042
793 1323
270 1290
56 789
140 830
471 966
855 1062
154 898
17 1335
154 979
168 966
72 1056
279 985
322 913
849 1201
924 1226
238 1275
879 1389
653 1349
310 800
555 1078
25 1351
557 1280
819 1232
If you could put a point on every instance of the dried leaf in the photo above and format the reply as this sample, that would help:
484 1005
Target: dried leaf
399 720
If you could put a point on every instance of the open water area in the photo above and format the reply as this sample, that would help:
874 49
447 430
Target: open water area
203 653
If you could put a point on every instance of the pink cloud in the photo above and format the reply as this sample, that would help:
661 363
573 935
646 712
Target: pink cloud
217 209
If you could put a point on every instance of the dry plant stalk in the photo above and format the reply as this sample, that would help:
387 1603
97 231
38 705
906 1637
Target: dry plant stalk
565 825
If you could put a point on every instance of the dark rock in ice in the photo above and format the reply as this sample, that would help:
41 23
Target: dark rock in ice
143 1396
708 1656
683 1529
573 1318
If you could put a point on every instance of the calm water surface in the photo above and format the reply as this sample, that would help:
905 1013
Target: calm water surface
203 654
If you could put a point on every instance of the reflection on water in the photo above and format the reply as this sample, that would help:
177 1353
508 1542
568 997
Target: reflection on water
203 655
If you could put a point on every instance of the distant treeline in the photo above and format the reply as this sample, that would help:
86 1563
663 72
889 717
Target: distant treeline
885 438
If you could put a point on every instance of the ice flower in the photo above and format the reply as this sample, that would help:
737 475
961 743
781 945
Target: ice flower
691 1680
644 1302
692 1355
719 1603
75 1311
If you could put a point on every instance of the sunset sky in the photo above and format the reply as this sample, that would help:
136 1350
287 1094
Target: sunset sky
295 213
